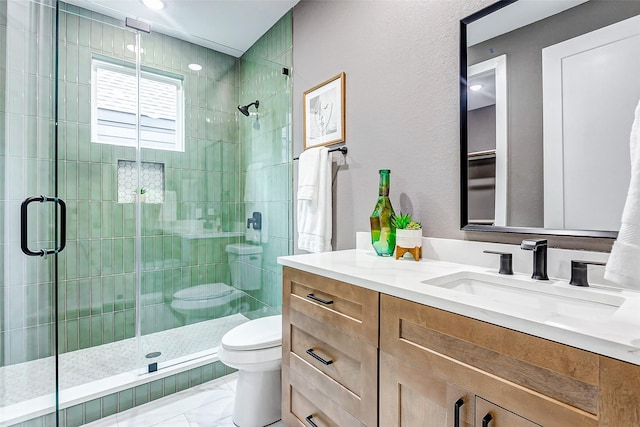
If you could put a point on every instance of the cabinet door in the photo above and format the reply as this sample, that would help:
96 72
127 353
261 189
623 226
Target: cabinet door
490 415
413 397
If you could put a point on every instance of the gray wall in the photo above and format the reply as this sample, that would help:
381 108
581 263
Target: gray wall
402 108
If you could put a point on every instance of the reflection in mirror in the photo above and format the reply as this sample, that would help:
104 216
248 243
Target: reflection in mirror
487 141
563 167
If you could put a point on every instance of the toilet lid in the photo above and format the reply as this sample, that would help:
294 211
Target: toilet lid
206 291
265 332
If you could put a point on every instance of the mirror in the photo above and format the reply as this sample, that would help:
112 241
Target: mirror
547 93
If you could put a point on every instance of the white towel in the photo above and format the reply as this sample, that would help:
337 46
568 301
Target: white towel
314 200
308 165
623 266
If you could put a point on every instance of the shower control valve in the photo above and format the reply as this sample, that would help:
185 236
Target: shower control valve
256 220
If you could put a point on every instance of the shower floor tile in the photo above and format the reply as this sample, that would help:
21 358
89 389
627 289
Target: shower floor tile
209 404
30 380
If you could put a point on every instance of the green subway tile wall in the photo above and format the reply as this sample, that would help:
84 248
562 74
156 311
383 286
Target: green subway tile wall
266 153
97 270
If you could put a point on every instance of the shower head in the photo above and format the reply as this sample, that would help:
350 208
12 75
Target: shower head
245 109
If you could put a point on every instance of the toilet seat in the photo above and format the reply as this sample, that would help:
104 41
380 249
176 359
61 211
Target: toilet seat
257 334
198 301
253 346
204 292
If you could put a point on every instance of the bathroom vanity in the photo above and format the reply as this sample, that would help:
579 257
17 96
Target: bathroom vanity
373 341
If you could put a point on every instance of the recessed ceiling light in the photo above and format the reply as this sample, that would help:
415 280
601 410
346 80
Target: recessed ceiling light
475 87
154 4
195 67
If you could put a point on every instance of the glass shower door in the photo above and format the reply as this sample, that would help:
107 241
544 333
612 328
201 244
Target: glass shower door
29 211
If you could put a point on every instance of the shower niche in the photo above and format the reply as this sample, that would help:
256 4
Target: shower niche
151 182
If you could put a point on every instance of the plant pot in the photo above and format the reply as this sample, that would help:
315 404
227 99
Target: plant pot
409 238
409 241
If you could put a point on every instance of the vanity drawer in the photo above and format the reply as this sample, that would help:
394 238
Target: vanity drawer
344 367
302 400
517 368
348 308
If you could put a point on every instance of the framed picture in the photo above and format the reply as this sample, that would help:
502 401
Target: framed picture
324 114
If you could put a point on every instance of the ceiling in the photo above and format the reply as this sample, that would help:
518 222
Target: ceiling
229 26
486 95
514 16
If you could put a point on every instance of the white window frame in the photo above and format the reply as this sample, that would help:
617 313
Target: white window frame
148 74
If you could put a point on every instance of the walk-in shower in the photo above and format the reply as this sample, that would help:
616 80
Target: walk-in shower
157 176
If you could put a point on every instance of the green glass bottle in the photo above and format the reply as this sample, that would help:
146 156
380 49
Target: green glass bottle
383 232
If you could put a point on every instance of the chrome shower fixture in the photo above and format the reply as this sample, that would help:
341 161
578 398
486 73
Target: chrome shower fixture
245 109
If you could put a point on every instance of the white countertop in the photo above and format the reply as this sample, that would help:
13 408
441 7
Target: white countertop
617 336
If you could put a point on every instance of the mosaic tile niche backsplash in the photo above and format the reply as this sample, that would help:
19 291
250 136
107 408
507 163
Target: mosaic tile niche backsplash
151 182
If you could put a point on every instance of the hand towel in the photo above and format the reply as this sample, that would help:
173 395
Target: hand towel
314 208
308 165
623 266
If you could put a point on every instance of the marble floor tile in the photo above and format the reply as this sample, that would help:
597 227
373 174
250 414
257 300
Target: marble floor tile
179 421
207 405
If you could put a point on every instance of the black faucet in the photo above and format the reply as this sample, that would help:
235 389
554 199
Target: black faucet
506 261
579 272
539 248
256 220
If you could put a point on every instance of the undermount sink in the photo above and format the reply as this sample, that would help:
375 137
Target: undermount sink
548 301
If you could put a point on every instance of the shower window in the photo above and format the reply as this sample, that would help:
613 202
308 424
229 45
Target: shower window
114 106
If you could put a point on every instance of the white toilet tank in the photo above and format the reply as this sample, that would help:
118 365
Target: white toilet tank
245 264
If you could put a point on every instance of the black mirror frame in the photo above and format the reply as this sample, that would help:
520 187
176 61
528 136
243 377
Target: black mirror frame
464 175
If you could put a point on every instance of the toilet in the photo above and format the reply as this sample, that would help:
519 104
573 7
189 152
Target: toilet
245 266
215 300
255 350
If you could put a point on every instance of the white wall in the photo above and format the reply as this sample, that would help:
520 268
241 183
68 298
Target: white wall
402 107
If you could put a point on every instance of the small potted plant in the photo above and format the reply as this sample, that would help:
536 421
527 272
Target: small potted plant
408 236
143 191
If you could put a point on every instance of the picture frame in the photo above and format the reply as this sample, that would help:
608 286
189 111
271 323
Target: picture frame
324 112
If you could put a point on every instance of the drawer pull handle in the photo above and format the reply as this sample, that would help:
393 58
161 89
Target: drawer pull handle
486 420
323 301
311 423
456 412
311 353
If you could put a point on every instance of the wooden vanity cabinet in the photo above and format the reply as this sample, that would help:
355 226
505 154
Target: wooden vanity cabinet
434 368
330 352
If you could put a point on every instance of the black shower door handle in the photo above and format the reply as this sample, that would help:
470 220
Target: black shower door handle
24 223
